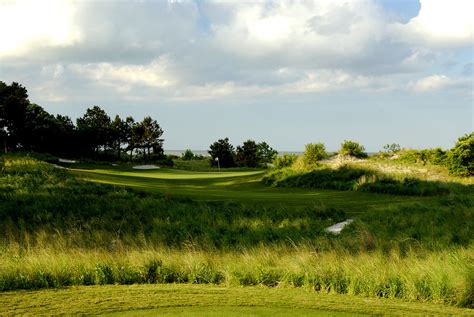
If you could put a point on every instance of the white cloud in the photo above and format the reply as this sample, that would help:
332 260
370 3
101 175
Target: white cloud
326 80
154 74
208 50
25 24
307 32
439 82
440 23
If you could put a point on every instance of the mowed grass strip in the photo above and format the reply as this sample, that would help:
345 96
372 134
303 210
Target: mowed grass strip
207 300
245 187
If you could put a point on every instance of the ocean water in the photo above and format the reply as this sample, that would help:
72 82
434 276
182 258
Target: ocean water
205 153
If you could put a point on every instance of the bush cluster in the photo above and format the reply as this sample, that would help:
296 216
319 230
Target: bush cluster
352 148
314 152
285 160
461 158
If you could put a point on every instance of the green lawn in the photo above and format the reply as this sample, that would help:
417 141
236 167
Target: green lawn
240 186
199 300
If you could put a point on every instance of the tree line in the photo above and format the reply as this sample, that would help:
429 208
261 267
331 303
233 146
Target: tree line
249 154
26 126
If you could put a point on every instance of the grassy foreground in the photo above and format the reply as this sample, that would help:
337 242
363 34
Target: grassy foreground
439 277
202 300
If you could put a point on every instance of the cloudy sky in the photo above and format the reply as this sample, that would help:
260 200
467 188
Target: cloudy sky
289 72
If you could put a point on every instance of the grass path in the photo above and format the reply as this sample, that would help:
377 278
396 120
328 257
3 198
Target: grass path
243 186
198 300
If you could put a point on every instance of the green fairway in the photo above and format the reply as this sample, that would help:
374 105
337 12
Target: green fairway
199 300
240 186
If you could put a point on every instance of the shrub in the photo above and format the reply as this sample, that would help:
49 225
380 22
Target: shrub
353 149
166 161
286 160
461 157
188 155
392 148
314 152
431 156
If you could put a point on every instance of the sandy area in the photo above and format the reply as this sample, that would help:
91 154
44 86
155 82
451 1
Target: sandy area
337 228
146 167
66 161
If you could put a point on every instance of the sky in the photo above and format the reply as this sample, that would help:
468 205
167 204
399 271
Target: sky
288 73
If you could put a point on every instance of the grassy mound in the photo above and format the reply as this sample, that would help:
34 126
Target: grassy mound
357 178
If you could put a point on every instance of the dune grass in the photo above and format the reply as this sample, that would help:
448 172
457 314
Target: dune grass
443 277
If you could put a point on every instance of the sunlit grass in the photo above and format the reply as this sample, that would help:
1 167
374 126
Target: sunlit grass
227 229
207 300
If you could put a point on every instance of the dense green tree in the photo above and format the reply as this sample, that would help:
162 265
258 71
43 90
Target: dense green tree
223 151
118 134
66 138
94 129
129 127
40 130
266 154
25 126
13 106
247 154
151 141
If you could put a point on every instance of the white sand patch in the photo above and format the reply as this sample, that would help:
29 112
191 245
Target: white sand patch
337 228
114 164
146 167
66 161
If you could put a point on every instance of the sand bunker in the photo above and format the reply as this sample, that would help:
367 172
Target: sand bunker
146 167
66 161
337 228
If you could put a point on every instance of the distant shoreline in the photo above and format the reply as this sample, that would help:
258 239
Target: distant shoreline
205 153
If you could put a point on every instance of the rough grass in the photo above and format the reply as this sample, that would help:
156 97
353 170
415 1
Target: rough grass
440 277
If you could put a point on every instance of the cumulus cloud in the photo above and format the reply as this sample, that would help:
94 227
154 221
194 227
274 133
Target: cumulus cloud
154 74
440 24
305 33
29 24
211 50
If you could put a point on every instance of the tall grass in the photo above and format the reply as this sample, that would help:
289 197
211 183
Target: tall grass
444 277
